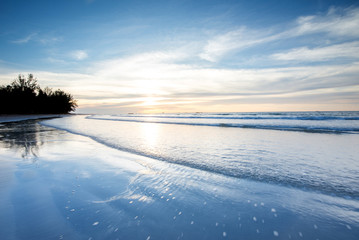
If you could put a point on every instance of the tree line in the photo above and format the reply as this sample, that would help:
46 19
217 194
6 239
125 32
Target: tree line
24 96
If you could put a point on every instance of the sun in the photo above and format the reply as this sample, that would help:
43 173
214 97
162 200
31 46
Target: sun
150 101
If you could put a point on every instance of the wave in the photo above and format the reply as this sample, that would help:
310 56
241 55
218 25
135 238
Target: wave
276 179
301 126
310 116
270 161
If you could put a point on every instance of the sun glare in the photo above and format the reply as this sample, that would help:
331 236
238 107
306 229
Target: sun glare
150 134
150 101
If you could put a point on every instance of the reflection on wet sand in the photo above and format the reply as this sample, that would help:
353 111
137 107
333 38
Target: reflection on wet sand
25 137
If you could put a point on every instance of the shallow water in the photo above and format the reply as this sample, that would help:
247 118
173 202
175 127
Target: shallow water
317 161
58 185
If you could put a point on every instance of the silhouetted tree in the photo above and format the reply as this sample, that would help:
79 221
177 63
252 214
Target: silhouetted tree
22 84
24 96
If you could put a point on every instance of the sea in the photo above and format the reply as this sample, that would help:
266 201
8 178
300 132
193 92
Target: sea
308 150
260 175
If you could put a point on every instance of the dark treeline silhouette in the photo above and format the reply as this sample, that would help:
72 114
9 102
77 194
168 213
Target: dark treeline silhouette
24 96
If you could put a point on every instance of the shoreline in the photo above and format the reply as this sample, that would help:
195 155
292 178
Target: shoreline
22 117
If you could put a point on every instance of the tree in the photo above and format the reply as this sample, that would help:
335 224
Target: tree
22 84
24 96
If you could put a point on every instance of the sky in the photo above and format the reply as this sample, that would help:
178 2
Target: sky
187 55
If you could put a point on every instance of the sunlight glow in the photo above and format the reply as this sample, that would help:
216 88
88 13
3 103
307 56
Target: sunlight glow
151 101
150 133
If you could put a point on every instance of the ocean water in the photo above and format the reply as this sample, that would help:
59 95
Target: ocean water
181 176
309 150
321 122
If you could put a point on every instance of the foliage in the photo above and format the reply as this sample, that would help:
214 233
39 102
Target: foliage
24 96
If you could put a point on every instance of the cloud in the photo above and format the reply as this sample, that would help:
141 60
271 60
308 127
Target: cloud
158 74
56 61
345 50
79 55
158 81
232 41
25 39
49 40
39 38
337 23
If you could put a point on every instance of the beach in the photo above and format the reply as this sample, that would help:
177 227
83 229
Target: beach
170 120
15 118
78 177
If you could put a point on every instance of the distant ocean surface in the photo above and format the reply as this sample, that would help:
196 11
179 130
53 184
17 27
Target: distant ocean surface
321 122
314 151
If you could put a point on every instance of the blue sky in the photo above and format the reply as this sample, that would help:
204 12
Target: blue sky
187 56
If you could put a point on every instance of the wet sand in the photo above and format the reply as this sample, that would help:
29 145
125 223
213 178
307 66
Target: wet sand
16 118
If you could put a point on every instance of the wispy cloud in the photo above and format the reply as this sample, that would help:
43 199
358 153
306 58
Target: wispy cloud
55 60
235 40
115 85
25 39
37 37
304 54
79 55
161 76
336 23
49 40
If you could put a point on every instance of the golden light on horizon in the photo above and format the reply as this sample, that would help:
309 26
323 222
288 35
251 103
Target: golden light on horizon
151 101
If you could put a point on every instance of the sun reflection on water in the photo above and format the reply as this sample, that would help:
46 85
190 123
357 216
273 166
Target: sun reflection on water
150 133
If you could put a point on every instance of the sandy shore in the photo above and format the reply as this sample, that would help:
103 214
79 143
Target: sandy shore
16 118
